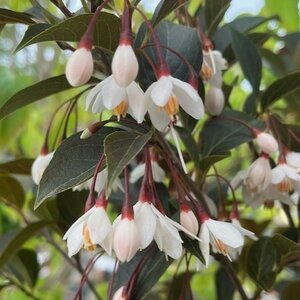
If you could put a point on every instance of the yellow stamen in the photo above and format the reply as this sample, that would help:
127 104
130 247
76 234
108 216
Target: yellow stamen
88 245
172 106
285 185
206 72
121 109
221 248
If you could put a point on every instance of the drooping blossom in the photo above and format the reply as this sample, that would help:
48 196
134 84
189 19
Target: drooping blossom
293 159
188 220
214 101
266 142
39 166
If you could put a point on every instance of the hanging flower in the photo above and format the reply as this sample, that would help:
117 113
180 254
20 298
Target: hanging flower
214 101
109 95
293 160
80 67
92 228
266 142
39 166
188 220
118 295
164 97
139 171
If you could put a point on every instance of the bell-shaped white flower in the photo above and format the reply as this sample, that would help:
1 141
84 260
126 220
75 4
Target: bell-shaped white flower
80 67
109 95
118 295
189 221
212 67
92 228
124 65
293 160
126 239
139 171
266 142
258 176
214 101
164 97
39 166
223 237
285 178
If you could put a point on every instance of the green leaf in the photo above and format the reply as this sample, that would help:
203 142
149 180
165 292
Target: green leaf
106 33
37 92
120 148
224 286
154 267
208 161
223 133
19 166
164 8
11 191
214 13
248 56
24 266
193 247
73 163
176 37
12 241
8 16
262 262
280 89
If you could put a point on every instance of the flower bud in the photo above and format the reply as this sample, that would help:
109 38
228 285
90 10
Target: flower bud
118 295
214 101
80 67
126 241
189 221
266 142
124 66
39 166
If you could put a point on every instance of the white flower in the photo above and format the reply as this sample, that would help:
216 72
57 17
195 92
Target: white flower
99 184
266 142
212 67
126 239
189 221
109 95
139 171
164 97
124 65
80 67
214 101
39 166
242 230
92 228
223 237
118 294
258 176
269 295
293 160
285 178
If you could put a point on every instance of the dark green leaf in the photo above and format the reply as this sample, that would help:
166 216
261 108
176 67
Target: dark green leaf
11 191
19 166
36 92
193 247
224 286
208 161
73 163
248 57
24 266
120 148
214 13
10 17
180 38
280 89
12 241
163 8
223 133
154 267
262 262
106 33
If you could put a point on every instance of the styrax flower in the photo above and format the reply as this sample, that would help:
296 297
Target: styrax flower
124 65
109 95
80 67
39 166
189 221
139 171
92 228
242 230
266 142
223 237
214 101
164 97
293 159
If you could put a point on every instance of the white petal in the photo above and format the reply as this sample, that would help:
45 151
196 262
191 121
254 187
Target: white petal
39 166
158 173
137 173
204 243
290 172
159 117
293 159
92 95
237 180
75 240
277 174
113 94
107 243
161 90
138 103
182 89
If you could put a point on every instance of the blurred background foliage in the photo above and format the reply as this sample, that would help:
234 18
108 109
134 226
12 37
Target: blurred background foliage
33 266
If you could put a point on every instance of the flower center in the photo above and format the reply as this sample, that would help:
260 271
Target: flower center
88 245
172 106
121 109
285 185
206 72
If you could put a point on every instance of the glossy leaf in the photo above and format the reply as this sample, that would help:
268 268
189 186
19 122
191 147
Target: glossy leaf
248 57
224 133
106 33
262 262
8 16
193 247
120 148
214 13
11 191
224 286
12 241
164 8
208 161
73 163
36 92
280 89
20 166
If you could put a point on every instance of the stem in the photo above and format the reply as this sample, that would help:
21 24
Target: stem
222 210
127 209
60 5
112 281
